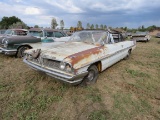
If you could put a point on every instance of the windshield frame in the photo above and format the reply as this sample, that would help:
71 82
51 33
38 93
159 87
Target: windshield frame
90 37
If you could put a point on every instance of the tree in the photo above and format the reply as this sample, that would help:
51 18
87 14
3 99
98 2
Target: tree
53 23
62 24
21 25
105 27
96 26
36 26
125 28
88 26
79 24
101 26
8 21
92 26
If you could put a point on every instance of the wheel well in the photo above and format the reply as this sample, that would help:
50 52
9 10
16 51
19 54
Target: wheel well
21 46
24 45
99 65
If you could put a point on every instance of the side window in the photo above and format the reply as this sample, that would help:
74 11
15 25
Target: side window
49 34
58 34
13 33
20 32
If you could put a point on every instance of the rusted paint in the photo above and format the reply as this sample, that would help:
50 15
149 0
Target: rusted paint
85 55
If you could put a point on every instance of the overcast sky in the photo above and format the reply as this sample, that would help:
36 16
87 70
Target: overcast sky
114 13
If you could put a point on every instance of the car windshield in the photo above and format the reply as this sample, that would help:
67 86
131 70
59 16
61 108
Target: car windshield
8 32
91 37
141 33
36 33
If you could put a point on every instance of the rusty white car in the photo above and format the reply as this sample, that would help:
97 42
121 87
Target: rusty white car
81 59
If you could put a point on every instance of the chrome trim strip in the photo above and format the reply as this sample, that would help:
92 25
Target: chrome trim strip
75 79
5 50
107 56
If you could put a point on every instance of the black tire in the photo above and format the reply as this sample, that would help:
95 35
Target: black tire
128 55
20 52
92 76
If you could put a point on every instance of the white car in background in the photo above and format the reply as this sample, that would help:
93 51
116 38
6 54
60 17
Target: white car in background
141 36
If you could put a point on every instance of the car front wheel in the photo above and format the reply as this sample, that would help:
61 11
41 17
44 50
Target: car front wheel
92 76
129 53
21 50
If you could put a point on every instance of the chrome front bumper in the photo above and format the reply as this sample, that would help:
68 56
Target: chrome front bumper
74 79
8 52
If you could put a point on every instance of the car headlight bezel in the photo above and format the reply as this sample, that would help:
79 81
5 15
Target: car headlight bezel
5 43
66 67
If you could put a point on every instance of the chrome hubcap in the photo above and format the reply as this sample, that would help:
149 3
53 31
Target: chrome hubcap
90 76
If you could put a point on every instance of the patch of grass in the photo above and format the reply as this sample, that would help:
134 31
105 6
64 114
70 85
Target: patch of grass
43 101
139 63
32 116
94 94
2 86
23 105
95 97
98 115
136 73
126 107
28 95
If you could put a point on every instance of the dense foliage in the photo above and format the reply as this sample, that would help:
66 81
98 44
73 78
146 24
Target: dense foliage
6 22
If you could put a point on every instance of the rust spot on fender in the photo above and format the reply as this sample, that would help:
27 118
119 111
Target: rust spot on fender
85 55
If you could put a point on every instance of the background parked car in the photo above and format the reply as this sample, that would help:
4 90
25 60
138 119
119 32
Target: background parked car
46 32
16 45
13 32
2 32
141 36
158 35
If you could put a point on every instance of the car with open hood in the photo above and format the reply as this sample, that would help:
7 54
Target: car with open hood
16 45
81 59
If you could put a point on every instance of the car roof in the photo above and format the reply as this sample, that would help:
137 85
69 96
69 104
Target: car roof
43 29
18 29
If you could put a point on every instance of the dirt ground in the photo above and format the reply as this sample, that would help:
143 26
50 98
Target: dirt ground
153 33
128 90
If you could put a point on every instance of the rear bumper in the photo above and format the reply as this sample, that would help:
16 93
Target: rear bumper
8 52
71 79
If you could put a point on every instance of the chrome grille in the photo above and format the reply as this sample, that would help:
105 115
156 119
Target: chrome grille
46 62
51 63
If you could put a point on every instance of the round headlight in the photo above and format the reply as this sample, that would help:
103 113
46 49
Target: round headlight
3 40
62 65
5 43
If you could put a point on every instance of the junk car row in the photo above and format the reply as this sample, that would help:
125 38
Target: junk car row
77 59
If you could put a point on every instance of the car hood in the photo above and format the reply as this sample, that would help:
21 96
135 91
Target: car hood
61 51
62 39
44 45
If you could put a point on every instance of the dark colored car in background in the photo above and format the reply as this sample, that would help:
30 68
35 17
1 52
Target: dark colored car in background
2 31
16 45
13 32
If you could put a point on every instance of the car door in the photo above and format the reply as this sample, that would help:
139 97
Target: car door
113 53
